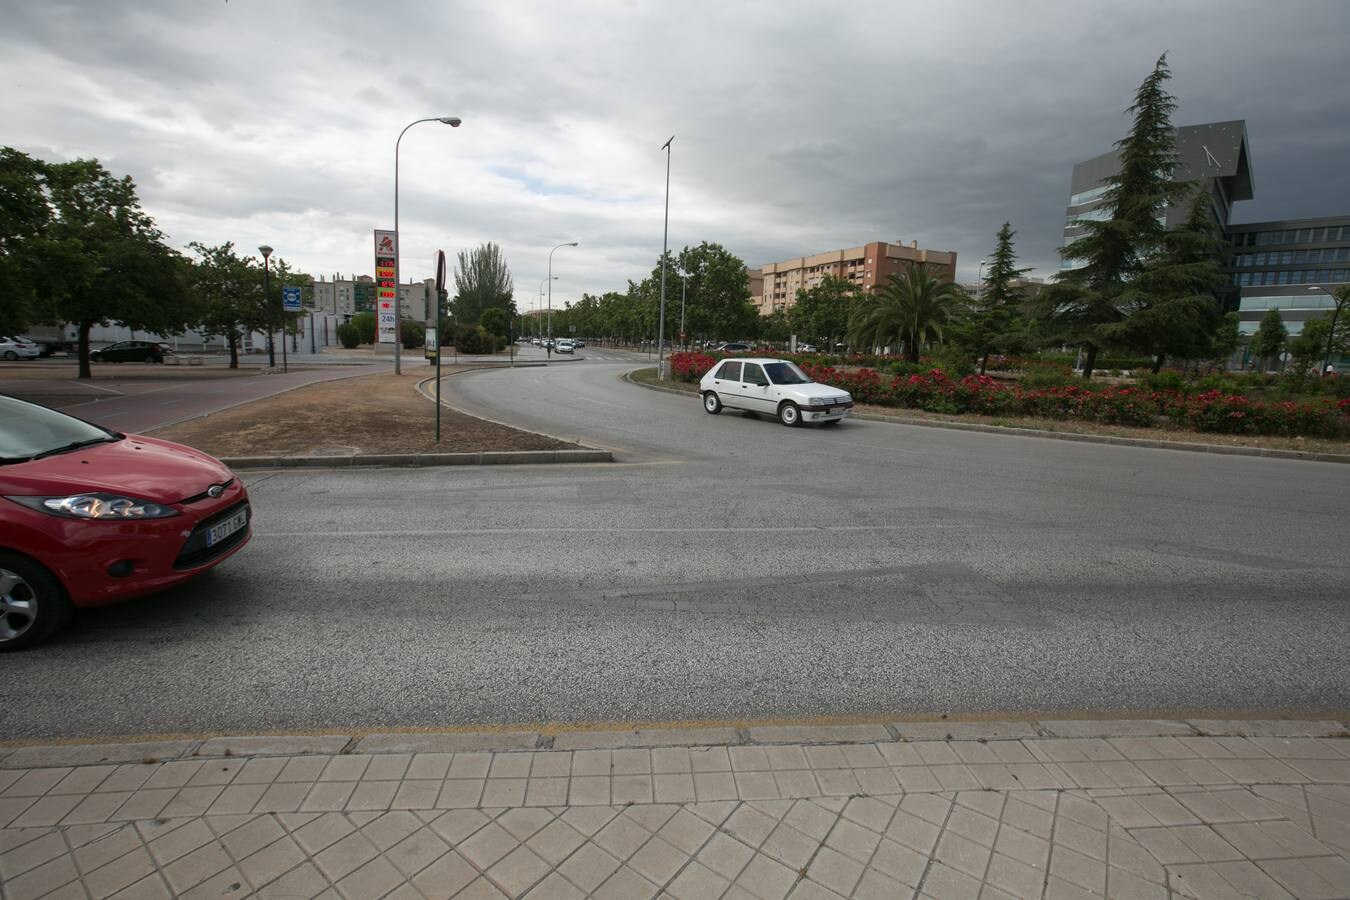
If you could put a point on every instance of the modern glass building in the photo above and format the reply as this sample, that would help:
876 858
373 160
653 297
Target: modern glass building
1292 265
1216 152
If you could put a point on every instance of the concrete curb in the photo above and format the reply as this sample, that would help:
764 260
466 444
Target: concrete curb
421 460
76 754
1221 449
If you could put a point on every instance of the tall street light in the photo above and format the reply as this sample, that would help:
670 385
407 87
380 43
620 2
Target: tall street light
665 233
684 294
541 301
453 122
550 295
266 252
1337 302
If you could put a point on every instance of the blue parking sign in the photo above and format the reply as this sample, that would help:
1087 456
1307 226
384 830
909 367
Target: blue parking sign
290 299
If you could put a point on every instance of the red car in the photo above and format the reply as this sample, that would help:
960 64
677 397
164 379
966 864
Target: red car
90 516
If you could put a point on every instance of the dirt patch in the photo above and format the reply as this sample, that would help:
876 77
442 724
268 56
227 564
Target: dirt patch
369 414
1306 445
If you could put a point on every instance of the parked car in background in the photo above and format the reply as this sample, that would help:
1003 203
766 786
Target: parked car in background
775 387
18 348
806 348
578 343
564 346
732 347
132 351
90 516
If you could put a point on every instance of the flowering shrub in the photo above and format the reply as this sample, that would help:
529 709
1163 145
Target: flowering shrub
690 366
1210 411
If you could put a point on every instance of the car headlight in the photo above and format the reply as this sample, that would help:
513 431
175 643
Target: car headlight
97 506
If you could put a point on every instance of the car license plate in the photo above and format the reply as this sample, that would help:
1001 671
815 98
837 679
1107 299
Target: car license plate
218 532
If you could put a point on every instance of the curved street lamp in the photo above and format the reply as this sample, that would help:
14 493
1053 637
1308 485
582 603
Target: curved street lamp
453 122
550 295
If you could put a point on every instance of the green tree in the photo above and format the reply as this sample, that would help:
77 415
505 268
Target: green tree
228 295
912 310
482 282
495 320
105 261
1308 346
718 294
1227 338
24 220
1171 304
821 313
1270 337
993 322
1089 299
776 326
364 323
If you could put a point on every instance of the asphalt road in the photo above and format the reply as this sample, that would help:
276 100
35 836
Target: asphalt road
725 568
137 397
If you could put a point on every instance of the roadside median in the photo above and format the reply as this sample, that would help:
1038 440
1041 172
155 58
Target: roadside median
369 421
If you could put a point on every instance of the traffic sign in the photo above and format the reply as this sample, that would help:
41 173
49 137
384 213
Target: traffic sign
290 299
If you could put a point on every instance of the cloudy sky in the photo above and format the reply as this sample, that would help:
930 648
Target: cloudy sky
800 127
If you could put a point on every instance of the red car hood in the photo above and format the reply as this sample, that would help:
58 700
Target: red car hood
141 467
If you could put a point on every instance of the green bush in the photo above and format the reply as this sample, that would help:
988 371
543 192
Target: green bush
414 335
1164 381
365 326
348 335
474 339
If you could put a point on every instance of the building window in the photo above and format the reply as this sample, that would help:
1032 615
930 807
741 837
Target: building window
1287 258
1324 275
1342 253
1338 275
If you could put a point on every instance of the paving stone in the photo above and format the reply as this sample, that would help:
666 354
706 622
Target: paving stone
450 742
42 880
1110 728
94 754
713 786
626 884
766 878
964 731
555 887
1268 727
518 871
271 862
589 867
279 745
947 883
709 759
197 867
612 740
302 881
345 856
818 734
790 847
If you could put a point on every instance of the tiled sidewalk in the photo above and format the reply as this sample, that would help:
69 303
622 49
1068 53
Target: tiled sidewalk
994 810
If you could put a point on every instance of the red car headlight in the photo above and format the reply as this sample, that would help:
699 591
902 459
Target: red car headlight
97 506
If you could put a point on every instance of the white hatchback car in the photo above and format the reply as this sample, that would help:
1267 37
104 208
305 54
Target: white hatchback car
773 386
18 348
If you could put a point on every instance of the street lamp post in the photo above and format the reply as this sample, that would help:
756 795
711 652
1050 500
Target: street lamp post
684 294
665 234
266 252
541 302
549 345
979 283
453 122
1331 332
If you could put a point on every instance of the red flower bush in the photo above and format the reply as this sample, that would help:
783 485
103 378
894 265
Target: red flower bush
935 391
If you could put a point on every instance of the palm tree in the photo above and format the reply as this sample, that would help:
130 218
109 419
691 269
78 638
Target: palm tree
911 310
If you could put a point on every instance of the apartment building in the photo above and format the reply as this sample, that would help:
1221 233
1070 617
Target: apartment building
868 267
345 298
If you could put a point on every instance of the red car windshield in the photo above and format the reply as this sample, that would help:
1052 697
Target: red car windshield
28 431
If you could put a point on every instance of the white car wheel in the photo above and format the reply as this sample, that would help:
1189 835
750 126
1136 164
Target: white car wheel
711 403
789 415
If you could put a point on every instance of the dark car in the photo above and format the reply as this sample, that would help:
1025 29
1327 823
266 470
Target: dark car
132 351
732 347
90 516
